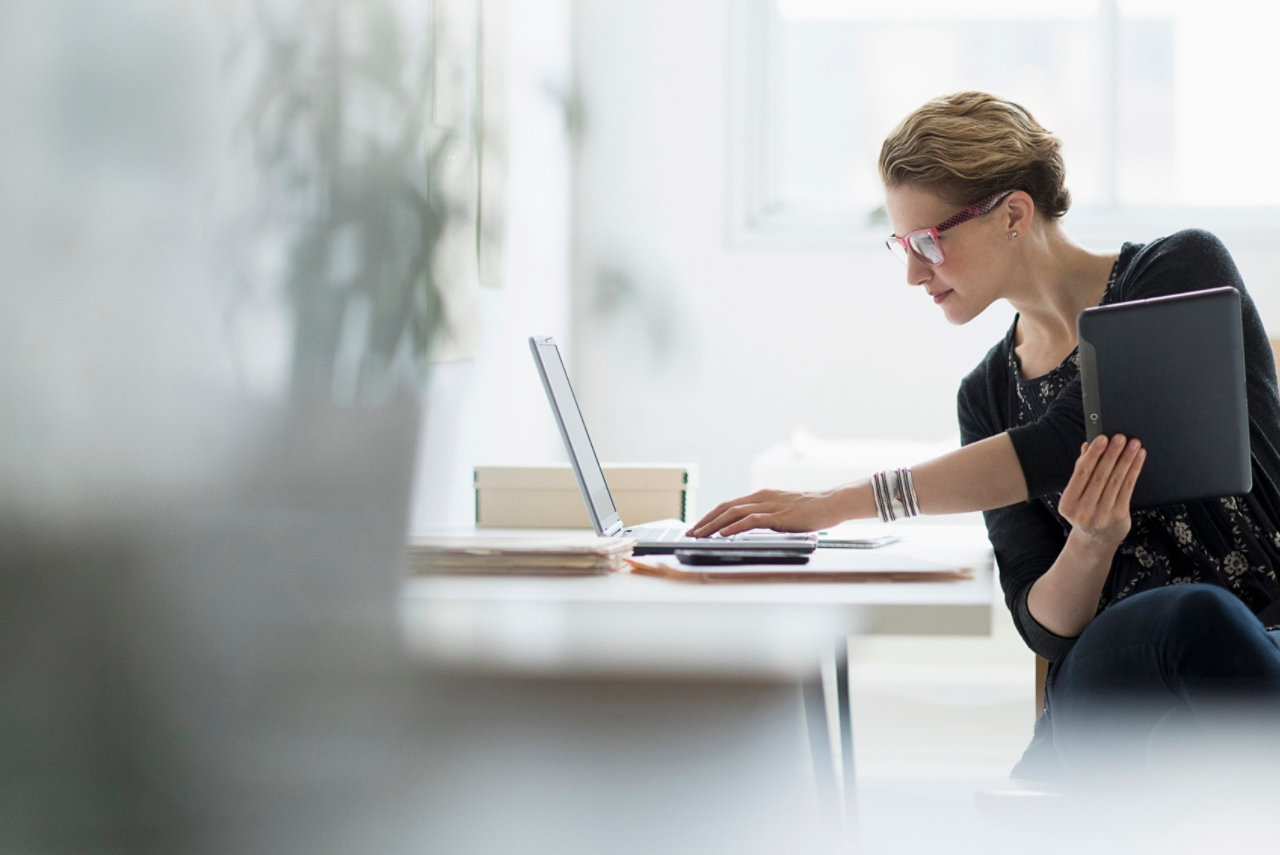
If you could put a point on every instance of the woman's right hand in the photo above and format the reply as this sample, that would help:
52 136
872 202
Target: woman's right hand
780 510
1096 499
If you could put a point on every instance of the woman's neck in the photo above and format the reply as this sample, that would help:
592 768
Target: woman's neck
1061 280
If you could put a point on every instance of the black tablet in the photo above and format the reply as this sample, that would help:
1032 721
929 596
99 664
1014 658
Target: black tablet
1170 371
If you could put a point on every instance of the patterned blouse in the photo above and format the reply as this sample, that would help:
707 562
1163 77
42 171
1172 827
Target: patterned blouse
1232 542
1225 542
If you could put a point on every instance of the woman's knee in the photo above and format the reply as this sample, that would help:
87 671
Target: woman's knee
1143 641
1207 607
1197 605
1208 632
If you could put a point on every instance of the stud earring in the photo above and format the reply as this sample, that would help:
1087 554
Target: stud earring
1013 234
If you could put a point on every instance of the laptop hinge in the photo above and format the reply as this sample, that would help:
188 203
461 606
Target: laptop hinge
614 530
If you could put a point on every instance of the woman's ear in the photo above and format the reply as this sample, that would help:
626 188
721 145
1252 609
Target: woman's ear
1019 209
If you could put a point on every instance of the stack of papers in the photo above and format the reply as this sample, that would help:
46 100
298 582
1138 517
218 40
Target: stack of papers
540 556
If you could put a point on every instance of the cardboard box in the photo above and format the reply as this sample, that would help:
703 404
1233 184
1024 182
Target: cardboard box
548 496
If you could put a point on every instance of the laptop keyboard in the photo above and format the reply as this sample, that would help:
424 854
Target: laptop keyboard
662 534
666 534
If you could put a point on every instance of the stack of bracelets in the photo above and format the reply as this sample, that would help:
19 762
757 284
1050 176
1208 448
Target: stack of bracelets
895 494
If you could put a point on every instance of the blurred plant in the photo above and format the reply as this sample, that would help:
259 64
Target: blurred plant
614 290
620 295
337 94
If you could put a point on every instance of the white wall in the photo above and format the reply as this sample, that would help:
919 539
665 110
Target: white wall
760 342
491 409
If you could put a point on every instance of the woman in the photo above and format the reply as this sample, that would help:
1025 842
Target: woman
1160 614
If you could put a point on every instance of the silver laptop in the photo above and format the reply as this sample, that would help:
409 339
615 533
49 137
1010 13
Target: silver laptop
651 538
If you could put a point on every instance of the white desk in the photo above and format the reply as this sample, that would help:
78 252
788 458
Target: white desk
580 624
725 653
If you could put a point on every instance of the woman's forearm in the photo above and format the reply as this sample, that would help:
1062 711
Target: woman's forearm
1065 599
1096 504
978 477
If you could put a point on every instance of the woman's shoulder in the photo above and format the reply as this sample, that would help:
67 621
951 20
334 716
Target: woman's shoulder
1182 244
1188 260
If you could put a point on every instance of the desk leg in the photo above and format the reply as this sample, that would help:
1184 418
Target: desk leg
844 704
824 767
827 709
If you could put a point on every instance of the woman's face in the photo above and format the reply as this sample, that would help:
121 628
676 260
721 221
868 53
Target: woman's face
971 276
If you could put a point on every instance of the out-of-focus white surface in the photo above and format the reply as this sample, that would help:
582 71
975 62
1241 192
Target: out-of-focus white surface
806 461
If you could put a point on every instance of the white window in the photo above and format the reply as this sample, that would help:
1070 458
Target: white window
1165 108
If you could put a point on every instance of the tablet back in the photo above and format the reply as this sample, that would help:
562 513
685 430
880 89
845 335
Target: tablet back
1170 371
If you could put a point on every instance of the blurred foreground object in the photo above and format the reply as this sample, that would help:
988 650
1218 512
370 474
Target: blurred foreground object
219 295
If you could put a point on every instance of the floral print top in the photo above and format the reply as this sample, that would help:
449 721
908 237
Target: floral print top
1229 542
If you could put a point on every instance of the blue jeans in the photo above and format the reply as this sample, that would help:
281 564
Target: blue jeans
1184 667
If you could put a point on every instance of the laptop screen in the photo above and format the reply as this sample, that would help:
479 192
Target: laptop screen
582 454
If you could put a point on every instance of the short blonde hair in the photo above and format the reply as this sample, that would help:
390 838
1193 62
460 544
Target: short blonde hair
971 145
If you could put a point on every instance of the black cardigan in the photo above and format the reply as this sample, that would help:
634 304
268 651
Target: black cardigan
1028 536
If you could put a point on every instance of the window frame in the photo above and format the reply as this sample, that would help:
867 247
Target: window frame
757 219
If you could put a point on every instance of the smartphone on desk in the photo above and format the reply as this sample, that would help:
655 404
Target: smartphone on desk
738 556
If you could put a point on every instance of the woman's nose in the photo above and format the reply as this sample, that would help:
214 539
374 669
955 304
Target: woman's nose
919 271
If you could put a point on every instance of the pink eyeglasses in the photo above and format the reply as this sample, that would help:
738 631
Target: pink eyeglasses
925 243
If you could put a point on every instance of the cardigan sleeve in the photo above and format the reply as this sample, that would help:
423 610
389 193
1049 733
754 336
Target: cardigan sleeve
1025 537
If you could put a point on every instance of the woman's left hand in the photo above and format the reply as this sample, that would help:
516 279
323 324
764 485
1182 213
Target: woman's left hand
1096 499
779 510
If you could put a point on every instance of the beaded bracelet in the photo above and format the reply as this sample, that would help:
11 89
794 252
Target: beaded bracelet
894 493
